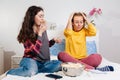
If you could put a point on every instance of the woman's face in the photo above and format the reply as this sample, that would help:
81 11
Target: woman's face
39 18
78 23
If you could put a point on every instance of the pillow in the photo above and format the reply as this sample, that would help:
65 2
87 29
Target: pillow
91 47
58 47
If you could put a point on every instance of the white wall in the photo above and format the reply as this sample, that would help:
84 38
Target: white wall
58 11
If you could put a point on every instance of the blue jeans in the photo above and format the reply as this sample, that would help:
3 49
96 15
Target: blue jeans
30 67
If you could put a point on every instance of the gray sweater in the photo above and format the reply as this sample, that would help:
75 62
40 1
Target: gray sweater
44 54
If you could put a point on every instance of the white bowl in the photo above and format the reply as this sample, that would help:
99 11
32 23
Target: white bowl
72 69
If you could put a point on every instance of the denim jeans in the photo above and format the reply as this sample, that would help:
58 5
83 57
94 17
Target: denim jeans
30 67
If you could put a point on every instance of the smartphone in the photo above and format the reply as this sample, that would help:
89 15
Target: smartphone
55 76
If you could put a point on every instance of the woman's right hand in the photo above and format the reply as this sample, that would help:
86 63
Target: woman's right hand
42 28
69 24
70 18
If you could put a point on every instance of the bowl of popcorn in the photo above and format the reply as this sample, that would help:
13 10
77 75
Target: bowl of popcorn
72 69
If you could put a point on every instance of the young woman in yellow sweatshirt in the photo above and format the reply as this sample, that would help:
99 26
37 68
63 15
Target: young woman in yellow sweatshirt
75 42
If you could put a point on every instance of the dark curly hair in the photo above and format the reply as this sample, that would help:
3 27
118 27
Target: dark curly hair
26 31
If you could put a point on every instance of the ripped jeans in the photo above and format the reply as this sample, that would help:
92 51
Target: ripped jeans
29 67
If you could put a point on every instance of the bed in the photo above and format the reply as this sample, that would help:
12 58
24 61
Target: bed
86 75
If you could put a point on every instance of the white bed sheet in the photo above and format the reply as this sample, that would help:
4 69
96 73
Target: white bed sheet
85 75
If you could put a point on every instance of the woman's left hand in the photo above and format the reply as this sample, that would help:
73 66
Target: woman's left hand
85 17
57 40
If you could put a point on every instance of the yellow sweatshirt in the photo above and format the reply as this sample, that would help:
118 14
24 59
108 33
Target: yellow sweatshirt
76 41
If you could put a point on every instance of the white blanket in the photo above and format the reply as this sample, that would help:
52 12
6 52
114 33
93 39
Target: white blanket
91 75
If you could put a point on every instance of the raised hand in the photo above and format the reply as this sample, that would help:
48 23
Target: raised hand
42 28
85 17
69 24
